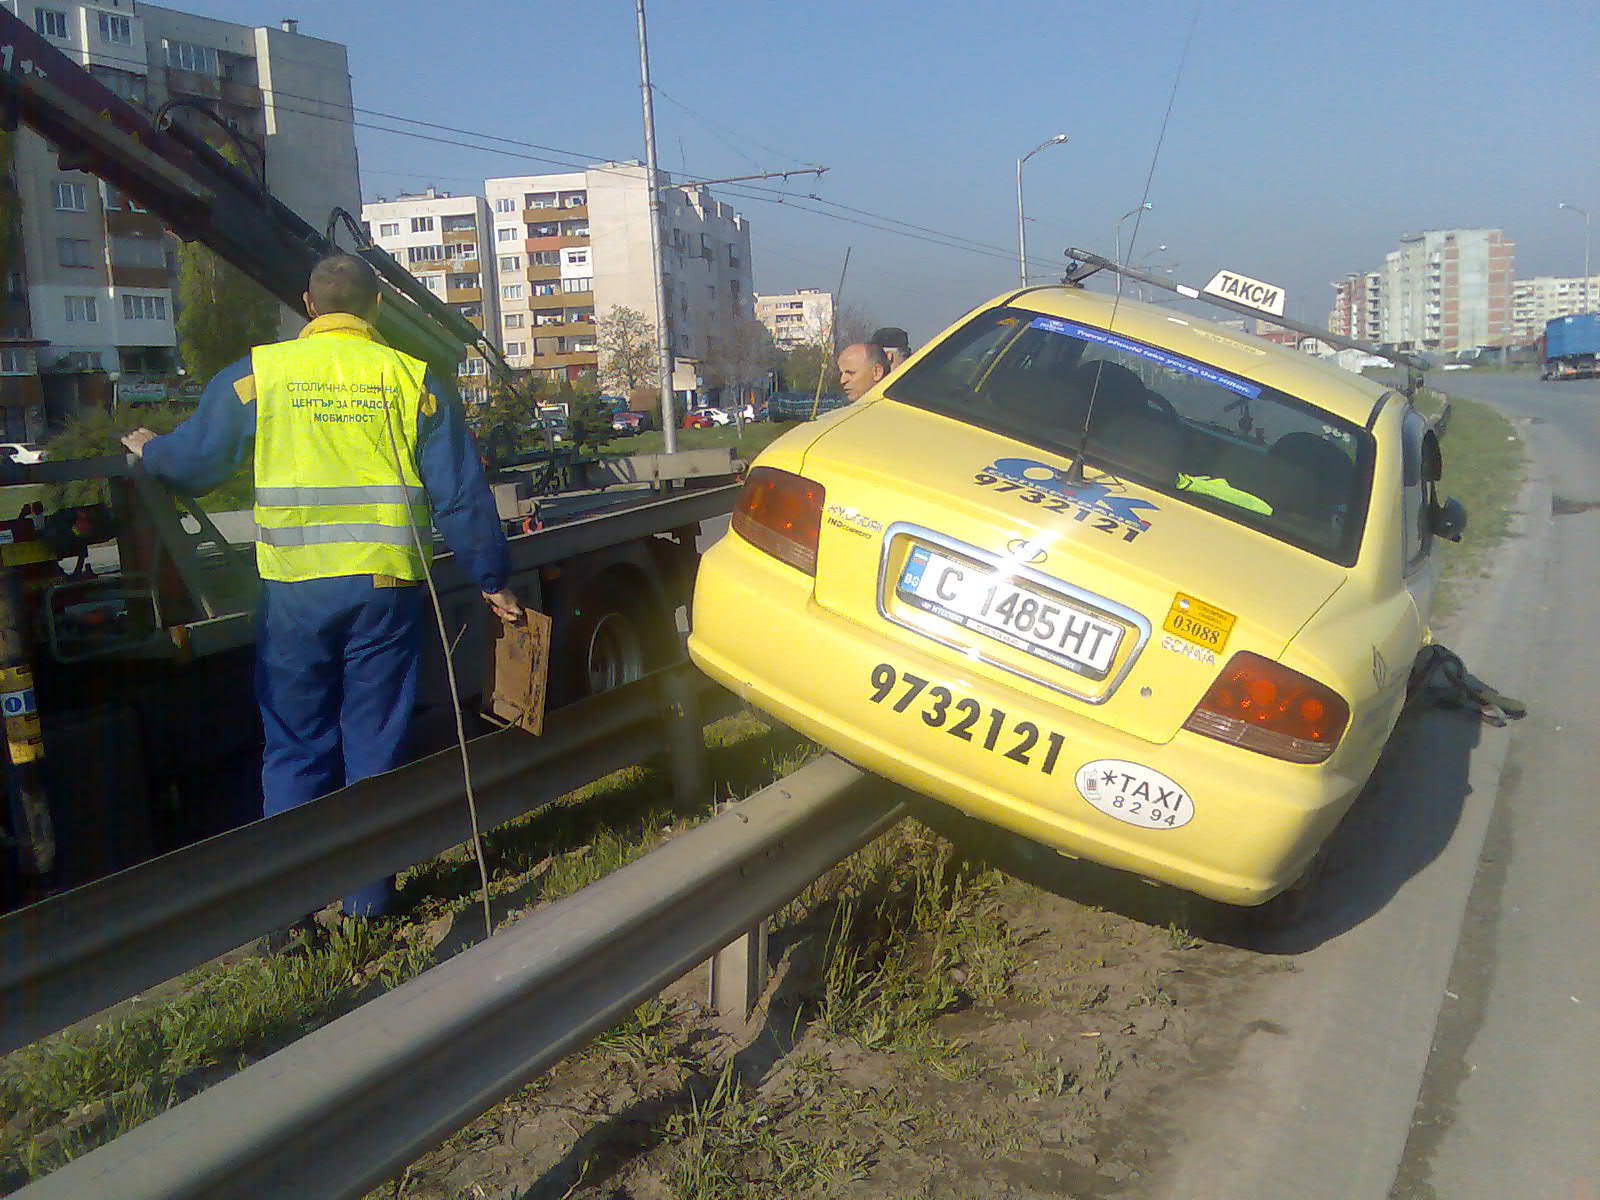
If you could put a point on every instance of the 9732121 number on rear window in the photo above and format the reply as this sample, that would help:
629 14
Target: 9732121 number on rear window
963 717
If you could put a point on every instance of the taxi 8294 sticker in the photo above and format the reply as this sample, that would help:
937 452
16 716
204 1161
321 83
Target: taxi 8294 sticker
1134 794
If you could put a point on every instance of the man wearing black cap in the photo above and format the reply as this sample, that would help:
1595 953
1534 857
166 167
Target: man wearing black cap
894 343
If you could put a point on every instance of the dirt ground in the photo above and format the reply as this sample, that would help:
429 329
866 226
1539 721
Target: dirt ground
1021 1050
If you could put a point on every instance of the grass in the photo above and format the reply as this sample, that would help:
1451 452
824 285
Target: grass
77 1089
1484 467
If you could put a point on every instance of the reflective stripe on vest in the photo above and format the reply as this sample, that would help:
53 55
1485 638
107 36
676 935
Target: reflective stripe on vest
337 486
361 493
328 535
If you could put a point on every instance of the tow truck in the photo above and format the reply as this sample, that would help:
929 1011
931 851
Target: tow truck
126 680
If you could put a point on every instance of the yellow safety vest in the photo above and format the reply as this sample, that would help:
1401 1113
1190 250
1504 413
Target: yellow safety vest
337 487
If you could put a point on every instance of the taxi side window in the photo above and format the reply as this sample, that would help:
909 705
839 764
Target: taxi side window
1417 531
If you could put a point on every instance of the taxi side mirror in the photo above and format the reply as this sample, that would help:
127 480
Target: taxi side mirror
1448 520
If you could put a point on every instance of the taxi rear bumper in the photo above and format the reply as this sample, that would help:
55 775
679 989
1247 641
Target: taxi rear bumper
1253 822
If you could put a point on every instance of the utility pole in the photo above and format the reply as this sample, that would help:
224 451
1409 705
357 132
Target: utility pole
669 413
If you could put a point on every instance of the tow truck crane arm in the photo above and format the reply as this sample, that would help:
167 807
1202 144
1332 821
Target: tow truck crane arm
201 196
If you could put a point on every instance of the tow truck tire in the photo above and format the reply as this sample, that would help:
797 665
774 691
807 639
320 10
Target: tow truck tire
607 637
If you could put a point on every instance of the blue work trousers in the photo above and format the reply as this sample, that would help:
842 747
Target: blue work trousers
336 678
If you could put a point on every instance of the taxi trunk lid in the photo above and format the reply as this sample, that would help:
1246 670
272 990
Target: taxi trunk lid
929 520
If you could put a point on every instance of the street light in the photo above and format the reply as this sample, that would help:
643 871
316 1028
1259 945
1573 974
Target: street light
1116 231
1022 233
1585 215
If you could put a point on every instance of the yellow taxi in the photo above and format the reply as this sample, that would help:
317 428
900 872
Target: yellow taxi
1128 582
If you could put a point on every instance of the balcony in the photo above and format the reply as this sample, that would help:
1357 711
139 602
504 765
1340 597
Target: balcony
580 358
539 274
540 216
456 237
463 295
141 277
559 241
561 300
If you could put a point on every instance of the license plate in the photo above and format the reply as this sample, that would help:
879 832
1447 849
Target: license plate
1042 624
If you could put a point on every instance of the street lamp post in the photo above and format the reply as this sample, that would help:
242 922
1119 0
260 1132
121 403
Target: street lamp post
1116 231
1022 233
1584 213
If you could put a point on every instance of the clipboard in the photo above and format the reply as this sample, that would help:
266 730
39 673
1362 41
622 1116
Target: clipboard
519 666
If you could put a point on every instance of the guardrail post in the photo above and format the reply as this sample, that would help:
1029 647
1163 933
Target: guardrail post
686 741
739 972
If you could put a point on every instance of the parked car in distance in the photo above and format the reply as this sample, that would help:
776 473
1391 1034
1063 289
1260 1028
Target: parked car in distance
625 423
1134 585
22 453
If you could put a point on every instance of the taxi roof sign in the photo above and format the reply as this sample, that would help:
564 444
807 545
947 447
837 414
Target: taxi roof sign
1242 289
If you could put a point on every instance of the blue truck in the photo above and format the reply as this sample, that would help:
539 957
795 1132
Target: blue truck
1572 347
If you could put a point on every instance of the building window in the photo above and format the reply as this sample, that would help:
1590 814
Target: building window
186 56
511 262
577 285
574 199
508 234
389 229
461 250
545 289
505 204
421 224
82 310
16 362
116 30
514 349
50 23
457 222
577 258
70 197
545 258
144 308
458 282
473 366
511 291
514 320
416 254
539 200
137 252
73 252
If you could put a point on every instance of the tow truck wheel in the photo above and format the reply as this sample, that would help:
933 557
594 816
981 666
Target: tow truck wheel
605 638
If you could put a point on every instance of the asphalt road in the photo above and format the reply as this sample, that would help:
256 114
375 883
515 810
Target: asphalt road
1435 1034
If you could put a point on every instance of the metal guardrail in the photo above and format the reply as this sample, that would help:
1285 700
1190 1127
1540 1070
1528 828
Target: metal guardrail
349 1105
72 955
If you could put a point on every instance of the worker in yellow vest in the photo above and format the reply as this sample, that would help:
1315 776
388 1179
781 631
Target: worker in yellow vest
354 443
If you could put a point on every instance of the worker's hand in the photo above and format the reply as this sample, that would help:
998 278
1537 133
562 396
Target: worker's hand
136 440
505 605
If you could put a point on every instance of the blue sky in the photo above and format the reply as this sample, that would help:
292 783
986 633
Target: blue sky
1304 139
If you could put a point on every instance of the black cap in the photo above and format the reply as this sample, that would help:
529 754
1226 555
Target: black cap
891 338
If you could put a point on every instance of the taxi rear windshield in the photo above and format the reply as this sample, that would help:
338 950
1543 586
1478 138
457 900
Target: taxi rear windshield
1245 451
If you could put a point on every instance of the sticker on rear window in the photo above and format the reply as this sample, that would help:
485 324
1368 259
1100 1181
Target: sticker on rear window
1098 504
1165 358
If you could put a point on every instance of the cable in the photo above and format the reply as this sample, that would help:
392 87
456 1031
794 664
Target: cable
426 558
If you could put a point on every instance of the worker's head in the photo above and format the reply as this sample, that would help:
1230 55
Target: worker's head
860 366
896 345
342 283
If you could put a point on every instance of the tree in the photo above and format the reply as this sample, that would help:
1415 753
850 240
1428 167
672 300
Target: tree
222 313
741 355
589 418
505 424
626 341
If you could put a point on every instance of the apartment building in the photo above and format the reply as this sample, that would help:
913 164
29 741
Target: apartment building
571 247
90 300
1546 297
447 242
796 318
1448 289
1358 306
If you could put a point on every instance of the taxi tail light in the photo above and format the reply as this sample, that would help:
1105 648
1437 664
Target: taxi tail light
1263 706
781 513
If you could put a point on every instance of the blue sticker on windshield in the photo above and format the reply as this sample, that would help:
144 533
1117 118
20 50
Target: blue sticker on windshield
1188 366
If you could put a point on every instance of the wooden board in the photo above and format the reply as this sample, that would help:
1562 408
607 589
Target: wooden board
519 662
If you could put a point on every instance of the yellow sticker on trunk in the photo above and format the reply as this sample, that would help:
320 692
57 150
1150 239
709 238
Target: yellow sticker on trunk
1201 623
